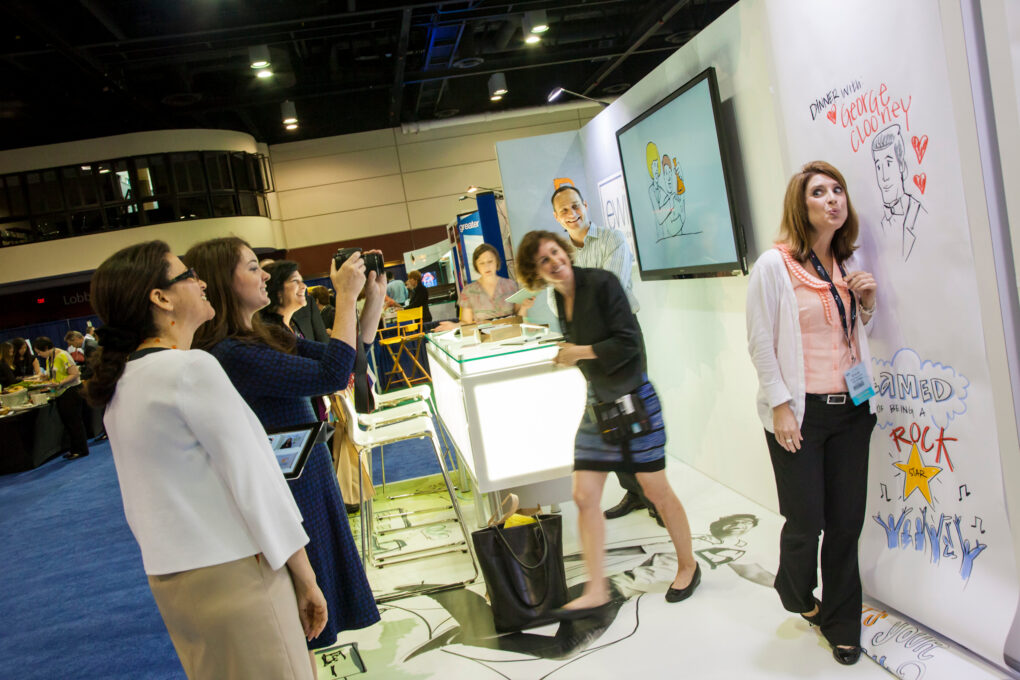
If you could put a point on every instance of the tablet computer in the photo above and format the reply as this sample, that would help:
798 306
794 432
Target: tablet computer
291 446
521 295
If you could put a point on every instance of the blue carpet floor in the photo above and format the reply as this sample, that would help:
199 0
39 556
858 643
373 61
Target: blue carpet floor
74 601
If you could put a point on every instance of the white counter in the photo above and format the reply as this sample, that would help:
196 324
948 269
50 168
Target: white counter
512 413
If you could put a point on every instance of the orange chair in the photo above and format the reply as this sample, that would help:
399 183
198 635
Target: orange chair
397 340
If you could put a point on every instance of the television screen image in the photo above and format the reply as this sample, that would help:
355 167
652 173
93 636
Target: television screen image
678 186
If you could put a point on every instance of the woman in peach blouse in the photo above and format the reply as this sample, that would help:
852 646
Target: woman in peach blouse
807 311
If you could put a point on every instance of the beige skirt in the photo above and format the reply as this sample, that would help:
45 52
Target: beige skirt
234 620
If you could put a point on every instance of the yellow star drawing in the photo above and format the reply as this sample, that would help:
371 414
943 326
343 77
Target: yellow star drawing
917 475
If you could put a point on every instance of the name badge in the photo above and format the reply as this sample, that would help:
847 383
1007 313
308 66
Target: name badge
858 384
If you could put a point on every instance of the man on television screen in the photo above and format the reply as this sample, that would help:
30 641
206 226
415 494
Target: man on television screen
601 248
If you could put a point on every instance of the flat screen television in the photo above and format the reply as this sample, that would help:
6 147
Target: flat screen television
678 186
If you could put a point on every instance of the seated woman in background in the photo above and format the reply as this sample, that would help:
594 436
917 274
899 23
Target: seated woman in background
25 363
485 298
419 296
202 491
276 373
7 376
321 296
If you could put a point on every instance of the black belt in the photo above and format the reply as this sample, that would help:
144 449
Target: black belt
835 399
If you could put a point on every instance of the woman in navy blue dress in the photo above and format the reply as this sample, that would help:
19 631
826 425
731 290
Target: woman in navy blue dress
277 373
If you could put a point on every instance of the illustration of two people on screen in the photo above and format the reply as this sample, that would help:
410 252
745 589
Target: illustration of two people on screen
666 191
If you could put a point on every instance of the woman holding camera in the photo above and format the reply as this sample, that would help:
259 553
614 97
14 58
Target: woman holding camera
806 316
276 373
622 429
220 535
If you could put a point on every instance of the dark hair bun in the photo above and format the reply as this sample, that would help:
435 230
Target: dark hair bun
117 339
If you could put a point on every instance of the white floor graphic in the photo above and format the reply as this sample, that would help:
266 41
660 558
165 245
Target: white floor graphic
733 627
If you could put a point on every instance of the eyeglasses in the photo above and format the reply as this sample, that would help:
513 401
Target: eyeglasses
188 273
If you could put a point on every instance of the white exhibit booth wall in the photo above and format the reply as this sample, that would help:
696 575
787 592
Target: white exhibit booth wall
529 168
937 543
943 316
694 329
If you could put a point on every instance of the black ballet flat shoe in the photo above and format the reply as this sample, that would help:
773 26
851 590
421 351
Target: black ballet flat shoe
680 594
599 612
846 656
629 503
816 618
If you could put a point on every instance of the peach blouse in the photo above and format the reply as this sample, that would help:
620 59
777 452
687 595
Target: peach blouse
826 354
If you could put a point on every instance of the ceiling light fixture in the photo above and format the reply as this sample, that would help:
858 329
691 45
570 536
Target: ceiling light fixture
291 126
258 56
289 114
533 39
554 95
264 73
474 189
536 21
497 87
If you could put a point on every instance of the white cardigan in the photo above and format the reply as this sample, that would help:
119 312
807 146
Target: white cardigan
198 478
774 341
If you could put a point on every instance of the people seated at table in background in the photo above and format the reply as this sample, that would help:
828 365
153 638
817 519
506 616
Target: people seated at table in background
202 490
326 309
63 372
26 364
485 298
396 289
623 427
276 373
81 349
419 295
7 377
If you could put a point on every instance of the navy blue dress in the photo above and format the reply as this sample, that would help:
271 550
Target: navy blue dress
277 387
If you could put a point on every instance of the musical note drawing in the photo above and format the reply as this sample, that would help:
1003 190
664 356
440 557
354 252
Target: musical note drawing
885 492
978 524
963 490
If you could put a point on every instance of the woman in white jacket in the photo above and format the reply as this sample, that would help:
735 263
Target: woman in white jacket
807 312
203 493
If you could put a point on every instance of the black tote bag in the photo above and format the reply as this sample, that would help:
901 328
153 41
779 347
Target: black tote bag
523 570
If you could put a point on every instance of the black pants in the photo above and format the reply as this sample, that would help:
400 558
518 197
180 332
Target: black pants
628 480
823 487
71 408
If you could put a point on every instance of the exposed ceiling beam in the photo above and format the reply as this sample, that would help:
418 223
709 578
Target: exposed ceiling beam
654 21
397 92
103 17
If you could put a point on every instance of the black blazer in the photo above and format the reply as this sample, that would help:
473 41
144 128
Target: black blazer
309 321
420 298
602 319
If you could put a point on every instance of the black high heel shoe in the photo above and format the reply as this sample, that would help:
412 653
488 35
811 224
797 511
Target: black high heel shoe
816 618
847 656
680 594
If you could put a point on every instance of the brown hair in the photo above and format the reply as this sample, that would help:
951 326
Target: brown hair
414 274
796 231
120 296
320 294
215 261
72 335
7 354
527 269
481 250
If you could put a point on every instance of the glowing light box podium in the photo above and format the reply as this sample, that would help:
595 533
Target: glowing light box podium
511 412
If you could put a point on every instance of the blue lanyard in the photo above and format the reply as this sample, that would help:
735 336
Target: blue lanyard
824 276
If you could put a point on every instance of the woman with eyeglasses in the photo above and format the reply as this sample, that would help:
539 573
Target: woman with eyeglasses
277 372
220 535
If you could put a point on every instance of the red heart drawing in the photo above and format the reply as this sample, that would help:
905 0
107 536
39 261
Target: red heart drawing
831 114
920 146
921 181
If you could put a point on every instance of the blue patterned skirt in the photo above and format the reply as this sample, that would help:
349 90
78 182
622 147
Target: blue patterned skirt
331 550
646 453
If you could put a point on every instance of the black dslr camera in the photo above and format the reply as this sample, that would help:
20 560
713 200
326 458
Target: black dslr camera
373 261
